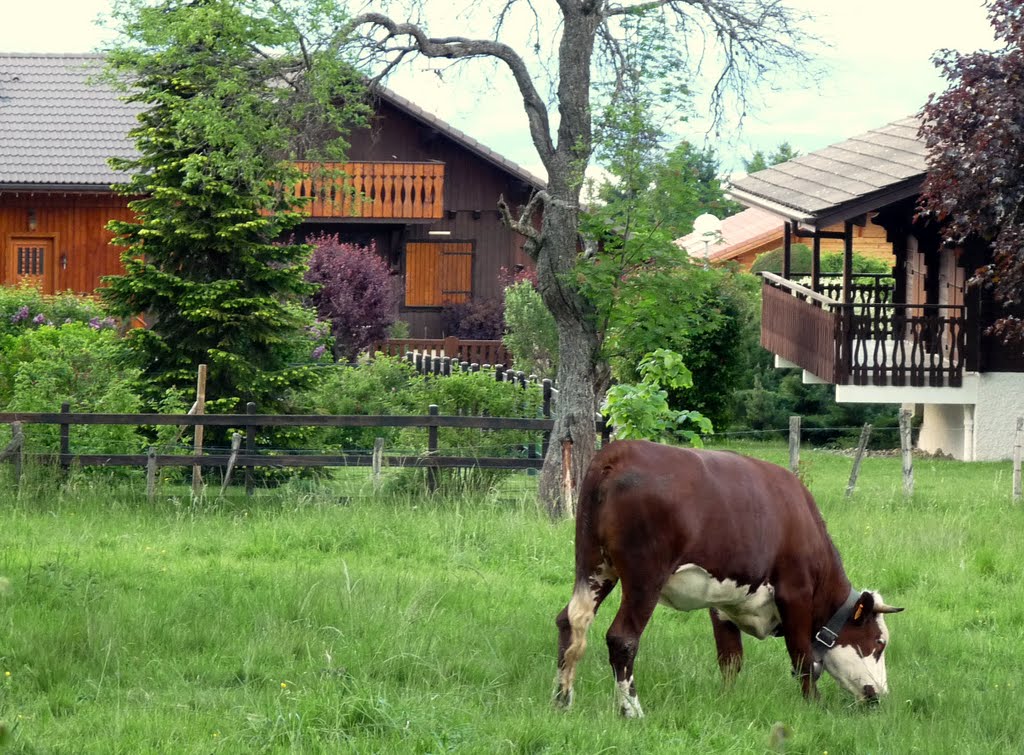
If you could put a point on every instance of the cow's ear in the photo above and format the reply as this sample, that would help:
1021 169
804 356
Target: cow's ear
863 608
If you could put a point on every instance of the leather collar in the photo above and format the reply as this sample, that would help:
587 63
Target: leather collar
825 638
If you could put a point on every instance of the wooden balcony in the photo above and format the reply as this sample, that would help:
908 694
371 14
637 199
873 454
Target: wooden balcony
865 342
385 191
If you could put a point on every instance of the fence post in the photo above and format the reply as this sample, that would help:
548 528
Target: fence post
451 346
499 373
794 444
378 453
236 442
437 365
865 433
151 474
65 439
546 411
17 450
906 447
198 432
432 449
1016 459
250 447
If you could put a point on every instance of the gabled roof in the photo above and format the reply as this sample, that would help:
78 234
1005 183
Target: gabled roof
843 180
740 233
59 125
462 138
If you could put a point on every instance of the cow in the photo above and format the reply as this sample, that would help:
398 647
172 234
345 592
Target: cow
696 529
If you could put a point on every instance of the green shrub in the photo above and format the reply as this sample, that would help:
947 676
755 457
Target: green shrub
24 307
530 332
831 262
48 365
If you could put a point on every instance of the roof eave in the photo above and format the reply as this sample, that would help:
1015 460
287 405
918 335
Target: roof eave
79 188
839 213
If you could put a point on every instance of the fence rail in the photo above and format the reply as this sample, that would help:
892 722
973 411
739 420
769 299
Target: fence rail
251 457
460 349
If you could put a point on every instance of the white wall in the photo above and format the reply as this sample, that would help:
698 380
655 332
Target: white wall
947 427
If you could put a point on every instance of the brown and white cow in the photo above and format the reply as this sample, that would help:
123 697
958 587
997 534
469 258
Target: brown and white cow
711 529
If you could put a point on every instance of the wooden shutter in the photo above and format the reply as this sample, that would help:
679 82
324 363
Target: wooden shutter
438 273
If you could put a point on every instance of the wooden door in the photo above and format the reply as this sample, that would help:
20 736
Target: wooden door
29 261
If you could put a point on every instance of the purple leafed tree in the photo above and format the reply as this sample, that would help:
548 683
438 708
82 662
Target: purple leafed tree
974 132
355 294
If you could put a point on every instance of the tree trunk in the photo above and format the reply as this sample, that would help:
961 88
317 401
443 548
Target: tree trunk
578 347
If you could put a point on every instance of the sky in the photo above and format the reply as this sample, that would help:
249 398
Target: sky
877 69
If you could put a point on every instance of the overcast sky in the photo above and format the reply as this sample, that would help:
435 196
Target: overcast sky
878 70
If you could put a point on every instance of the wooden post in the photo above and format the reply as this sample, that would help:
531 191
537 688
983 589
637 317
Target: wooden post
236 442
18 441
1016 459
906 447
250 447
65 439
151 473
794 444
432 449
546 387
568 505
378 454
197 470
865 434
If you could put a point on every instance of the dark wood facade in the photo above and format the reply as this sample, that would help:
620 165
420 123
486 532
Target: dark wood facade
423 193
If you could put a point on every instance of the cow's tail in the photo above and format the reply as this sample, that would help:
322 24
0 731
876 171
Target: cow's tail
595 578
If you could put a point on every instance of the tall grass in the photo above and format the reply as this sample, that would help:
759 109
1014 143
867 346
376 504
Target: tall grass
327 618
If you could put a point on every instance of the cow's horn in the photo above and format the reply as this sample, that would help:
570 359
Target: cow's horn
883 608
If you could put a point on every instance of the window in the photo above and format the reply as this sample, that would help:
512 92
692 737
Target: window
438 273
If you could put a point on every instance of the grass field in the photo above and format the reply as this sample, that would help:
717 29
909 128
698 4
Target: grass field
328 619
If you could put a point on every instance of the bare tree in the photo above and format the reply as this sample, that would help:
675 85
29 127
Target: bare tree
741 42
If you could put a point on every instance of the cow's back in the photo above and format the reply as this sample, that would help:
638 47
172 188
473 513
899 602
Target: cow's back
736 517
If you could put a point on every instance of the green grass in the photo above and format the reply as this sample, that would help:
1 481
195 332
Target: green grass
331 619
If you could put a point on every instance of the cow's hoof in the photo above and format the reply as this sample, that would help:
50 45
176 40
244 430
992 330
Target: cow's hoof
631 709
563 699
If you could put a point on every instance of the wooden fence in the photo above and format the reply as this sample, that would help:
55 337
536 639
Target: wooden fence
250 457
459 350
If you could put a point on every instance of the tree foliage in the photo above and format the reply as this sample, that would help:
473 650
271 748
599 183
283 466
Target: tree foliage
228 90
574 58
354 293
760 161
975 180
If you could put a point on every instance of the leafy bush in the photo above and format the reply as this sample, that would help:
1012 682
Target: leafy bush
48 365
831 262
355 294
24 307
474 319
709 316
642 410
530 332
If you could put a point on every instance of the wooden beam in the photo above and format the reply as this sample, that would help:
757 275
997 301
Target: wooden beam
787 248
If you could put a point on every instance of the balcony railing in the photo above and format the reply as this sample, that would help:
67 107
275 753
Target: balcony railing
399 191
864 342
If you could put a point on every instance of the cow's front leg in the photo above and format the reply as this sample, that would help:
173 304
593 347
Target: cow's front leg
729 644
796 628
638 603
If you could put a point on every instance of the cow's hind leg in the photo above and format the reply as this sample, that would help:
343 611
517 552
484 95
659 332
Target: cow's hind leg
573 623
638 603
729 644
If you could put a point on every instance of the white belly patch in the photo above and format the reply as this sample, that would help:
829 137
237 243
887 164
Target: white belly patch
692 588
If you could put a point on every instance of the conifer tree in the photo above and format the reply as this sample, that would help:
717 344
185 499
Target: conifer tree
229 91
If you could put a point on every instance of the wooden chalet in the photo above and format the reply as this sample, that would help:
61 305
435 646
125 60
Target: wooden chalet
424 192
915 337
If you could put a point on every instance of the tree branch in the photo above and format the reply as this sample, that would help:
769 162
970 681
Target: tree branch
463 48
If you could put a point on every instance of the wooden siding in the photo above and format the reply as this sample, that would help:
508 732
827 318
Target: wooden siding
399 190
75 225
800 332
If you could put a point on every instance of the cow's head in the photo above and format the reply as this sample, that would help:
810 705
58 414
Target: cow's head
857 660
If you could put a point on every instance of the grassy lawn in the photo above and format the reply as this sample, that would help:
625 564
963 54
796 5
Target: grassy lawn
333 619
